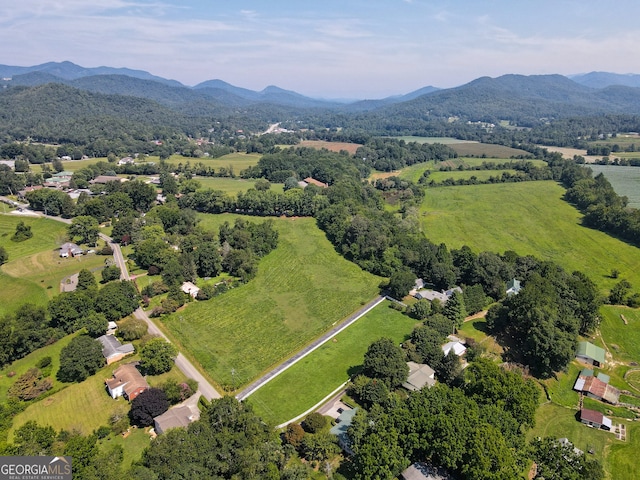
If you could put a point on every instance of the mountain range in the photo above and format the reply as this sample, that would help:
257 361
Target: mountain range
522 100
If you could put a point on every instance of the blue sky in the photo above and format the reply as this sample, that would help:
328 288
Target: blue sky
329 48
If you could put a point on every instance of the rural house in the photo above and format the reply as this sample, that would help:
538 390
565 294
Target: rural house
589 353
431 295
457 347
179 416
113 350
343 422
70 250
595 419
423 471
513 287
420 375
190 288
127 382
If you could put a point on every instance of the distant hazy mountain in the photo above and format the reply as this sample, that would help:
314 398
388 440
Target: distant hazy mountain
606 79
524 99
71 71
365 105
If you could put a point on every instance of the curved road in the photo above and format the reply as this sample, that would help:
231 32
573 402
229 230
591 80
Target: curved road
204 387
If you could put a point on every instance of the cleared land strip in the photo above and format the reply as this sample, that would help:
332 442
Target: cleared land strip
308 349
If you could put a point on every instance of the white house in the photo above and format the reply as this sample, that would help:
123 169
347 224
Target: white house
190 288
457 347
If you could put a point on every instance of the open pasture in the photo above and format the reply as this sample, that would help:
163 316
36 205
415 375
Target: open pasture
328 367
529 218
47 234
480 175
624 180
443 140
486 150
237 161
301 289
233 186
622 339
331 146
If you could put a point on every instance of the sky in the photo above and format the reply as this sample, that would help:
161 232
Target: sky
342 49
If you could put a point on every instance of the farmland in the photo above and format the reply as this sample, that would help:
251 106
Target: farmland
331 146
301 289
529 218
232 186
624 180
325 369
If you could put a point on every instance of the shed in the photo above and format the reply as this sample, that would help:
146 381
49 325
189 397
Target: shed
595 419
589 353
513 287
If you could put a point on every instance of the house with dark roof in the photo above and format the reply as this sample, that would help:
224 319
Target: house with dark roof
420 375
595 419
126 382
113 350
70 250
587 352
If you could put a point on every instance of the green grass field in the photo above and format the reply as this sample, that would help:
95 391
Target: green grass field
233 185
481 175
328 367
624 180
623 340
238 161
443 140
32 273
24 364
529 218
472 149
301 289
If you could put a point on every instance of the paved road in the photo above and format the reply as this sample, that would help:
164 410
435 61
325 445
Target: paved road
308 349
204 387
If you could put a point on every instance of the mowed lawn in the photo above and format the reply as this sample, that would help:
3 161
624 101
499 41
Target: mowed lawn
301 289
306 383
237 161
232 186
529 218
16 287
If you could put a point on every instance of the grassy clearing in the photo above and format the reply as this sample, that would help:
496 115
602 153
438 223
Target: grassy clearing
328 367
233 185
481 175
528 218
34 270
81 406
46 269
622 340
443 140
238 161
301 289
474 149
625 180
84 406
331 146
47 235
557 421
24 364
